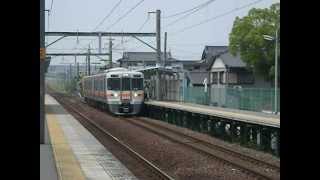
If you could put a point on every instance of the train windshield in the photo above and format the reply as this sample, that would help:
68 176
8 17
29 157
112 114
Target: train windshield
137 84
126 84
114 84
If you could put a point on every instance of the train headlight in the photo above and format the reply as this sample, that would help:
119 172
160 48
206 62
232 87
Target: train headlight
135 94
115 94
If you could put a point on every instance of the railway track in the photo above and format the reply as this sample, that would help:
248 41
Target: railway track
89 124
241 162
252 166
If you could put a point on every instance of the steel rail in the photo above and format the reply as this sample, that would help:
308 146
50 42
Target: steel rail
161 174
194 144
218 147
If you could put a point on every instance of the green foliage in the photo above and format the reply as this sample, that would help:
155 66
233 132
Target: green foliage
247 39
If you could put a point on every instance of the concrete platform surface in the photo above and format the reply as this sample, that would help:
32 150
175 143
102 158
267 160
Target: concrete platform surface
238 115
95 162
47 164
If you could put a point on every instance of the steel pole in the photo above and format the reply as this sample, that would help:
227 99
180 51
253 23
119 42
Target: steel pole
100 42
158 36
110 52
77 69
75 66
42 81
158 64
276 74
89 65
165 49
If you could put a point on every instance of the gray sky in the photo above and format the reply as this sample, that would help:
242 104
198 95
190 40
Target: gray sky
85 15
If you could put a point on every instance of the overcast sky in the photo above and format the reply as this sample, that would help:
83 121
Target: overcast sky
85 15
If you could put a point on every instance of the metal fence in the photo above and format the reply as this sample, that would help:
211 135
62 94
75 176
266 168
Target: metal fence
252 99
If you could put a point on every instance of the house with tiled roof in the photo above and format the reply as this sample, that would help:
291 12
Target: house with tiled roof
142 59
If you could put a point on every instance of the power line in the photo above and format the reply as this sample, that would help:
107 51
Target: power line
119 19
108 15
140 28
216 17
128 12
186 11
192 12
51 5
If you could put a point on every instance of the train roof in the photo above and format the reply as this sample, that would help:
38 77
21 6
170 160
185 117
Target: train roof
118 70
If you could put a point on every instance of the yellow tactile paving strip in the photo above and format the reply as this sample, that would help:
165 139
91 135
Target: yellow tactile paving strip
67 165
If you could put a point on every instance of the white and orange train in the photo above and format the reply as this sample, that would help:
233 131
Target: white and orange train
118 90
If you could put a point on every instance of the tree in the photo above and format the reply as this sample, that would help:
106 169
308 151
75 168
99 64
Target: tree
246 38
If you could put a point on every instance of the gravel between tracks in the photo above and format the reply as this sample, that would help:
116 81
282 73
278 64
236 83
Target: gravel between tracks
236 147
177 160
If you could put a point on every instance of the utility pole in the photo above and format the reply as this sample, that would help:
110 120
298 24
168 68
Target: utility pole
70 72
158 63
77 69
276 74
100 41
89 66
165 48
86 66
158 36
75 65
110 51
42 82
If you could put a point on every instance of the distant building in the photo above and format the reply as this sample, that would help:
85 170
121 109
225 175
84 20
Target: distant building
142 59
228 71
108 65
198 70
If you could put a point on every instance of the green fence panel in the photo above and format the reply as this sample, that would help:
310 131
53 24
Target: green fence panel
251 99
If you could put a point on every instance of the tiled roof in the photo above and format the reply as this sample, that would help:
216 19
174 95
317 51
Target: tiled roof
142 56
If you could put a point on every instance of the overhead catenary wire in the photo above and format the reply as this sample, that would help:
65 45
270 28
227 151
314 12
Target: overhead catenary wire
51 5
139 29
126 14
107 16
119 19
101 22
216 17
192 12
186 11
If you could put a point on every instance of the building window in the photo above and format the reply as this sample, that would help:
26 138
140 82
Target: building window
245 78
215 78
232 78
197 67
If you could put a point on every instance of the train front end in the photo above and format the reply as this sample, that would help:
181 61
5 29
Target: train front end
125 92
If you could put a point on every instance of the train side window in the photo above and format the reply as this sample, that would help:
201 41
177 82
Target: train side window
104 83
100 84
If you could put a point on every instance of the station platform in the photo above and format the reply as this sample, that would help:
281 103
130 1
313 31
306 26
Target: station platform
48 169
233 114
77 154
